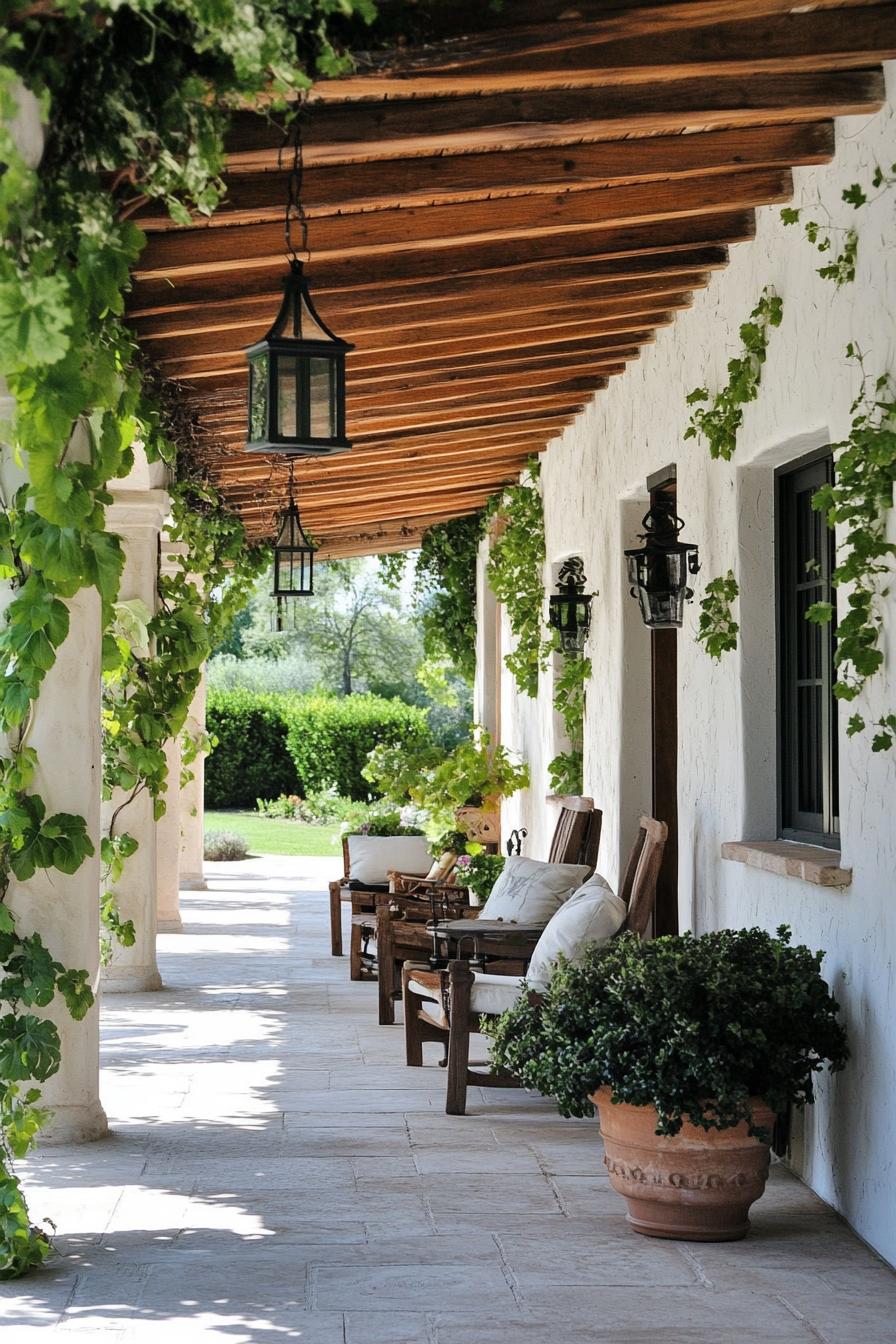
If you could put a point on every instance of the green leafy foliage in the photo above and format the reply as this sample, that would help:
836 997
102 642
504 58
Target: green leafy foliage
565 771
445 587
858 503
516 575
839 245
718 630
694 1026
480 872
477 773
720 418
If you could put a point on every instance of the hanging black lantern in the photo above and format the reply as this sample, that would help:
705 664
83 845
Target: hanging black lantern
297 380
569 609
293 562
658 571
297 371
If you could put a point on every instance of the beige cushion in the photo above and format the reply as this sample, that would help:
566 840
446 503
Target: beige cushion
593 914
490 993
530 892
372 857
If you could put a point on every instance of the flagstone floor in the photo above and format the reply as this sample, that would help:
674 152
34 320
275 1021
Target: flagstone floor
274 1173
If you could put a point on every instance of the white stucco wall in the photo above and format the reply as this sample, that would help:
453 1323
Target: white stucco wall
594 488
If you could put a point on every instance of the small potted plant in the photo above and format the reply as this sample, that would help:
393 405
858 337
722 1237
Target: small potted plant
461 789
478 873
689 1047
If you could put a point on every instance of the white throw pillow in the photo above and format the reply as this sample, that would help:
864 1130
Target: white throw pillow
372 857
593 914
529 892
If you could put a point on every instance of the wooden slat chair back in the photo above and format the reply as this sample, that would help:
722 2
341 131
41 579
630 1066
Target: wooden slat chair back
577 833
576 840
638 888
447 1016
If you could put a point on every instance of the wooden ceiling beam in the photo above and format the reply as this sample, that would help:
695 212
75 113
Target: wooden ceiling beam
401 465
229 370
420 486
584 55
450 227
495 29
189 352
403 183
189 303
404 127
394 509
243 328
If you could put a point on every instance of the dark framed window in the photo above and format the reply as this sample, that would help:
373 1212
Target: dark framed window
807 710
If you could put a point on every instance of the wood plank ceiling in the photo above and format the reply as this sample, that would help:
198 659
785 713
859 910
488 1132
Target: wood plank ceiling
499 222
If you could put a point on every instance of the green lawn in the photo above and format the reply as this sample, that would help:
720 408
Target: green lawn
269 835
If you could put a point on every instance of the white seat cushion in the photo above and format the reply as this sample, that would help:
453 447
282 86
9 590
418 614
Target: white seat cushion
372 857
494 993
593 914
530 892
490 993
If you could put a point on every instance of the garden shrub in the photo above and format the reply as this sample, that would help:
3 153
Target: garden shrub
250 759
330 737
270 744
221 846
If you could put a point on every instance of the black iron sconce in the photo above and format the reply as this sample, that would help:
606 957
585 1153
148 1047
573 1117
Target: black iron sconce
658 571
569 609
297 371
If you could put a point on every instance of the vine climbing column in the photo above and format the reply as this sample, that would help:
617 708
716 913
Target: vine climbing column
192 803
137 517
64 735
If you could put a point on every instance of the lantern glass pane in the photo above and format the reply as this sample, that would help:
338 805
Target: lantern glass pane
323 401
287 396
258 396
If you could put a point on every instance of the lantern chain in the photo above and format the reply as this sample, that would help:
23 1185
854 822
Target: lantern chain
295 211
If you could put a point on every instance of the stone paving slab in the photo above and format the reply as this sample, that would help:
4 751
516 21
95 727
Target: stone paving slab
275 1175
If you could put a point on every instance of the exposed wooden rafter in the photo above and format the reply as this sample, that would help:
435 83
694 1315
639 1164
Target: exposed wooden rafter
499 221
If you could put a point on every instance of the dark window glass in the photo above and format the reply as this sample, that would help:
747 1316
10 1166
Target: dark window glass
807 710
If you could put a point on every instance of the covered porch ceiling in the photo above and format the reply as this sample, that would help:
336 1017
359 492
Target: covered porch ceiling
499 222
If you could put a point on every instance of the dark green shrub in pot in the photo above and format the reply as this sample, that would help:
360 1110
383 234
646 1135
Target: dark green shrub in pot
694 1026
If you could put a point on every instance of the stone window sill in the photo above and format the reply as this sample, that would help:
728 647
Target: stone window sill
787 858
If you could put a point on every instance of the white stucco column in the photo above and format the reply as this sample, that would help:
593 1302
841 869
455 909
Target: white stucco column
137 516
192 805
168 918
65 733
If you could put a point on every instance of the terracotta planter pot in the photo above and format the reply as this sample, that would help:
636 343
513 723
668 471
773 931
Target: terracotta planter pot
696 1186
479 824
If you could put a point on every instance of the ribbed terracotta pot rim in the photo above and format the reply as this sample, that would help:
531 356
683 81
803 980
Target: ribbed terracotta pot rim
757 1106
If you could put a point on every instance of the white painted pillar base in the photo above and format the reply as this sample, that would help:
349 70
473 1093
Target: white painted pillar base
137 516
192 806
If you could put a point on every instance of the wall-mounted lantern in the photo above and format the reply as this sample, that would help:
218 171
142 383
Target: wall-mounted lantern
658 571
569 609
297 371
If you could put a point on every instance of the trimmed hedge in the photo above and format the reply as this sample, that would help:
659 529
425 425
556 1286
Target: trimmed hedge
270 744
251 759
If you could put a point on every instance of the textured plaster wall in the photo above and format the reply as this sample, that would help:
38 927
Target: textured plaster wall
594 489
